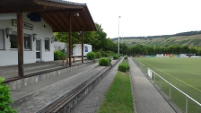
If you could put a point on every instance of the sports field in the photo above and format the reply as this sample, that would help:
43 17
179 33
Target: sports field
184 73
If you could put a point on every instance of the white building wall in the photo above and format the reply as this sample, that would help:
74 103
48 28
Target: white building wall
42 29
60 46
77 50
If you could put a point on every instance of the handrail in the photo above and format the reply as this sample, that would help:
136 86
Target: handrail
177 88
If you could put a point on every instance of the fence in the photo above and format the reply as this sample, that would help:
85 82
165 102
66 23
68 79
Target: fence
184 102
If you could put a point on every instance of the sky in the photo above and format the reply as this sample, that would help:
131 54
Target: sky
145 17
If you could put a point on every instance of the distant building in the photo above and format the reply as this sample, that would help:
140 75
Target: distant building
77 49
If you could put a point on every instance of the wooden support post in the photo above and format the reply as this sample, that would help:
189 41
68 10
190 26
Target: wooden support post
66 61
63 61
73 59
70 41
82 47
20 44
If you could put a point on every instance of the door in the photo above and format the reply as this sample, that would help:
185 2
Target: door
38 49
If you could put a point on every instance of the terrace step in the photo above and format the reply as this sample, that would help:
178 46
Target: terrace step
37 96
36 75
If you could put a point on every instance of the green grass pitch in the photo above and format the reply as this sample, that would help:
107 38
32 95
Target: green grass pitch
184 73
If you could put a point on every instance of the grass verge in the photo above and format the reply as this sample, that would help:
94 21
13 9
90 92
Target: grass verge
118 98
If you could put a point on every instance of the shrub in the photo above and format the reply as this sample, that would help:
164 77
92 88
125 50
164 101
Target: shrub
126 57
123 67
98 55
115 56
5 98
58 55
106 55
91 56
104 61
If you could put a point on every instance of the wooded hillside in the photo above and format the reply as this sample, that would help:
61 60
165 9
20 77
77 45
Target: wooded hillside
192 38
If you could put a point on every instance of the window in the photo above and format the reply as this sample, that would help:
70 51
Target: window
13 41
27 42
47 44
2 42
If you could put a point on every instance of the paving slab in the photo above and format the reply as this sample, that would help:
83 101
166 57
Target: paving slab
146 98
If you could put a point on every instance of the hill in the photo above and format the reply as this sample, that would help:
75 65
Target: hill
192 38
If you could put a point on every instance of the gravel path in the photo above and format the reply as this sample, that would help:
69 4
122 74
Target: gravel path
92 102
146 98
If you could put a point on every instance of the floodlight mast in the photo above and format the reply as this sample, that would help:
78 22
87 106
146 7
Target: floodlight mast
118 34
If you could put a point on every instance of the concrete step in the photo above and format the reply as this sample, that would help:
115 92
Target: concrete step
40 95
37 75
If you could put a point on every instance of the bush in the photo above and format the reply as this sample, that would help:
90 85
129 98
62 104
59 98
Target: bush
97 55
123 67
104 61
91 56
5 98
115 56
58 55
106 55
126 57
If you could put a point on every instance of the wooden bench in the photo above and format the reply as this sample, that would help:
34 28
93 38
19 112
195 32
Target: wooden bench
67 60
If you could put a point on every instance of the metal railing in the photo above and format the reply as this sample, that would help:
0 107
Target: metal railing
183 101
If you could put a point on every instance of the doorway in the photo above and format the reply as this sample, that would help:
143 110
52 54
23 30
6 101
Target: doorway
38 50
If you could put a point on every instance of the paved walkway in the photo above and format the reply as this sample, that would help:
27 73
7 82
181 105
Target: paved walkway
146 98
92 102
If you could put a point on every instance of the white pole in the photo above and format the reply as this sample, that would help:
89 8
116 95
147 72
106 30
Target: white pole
118 33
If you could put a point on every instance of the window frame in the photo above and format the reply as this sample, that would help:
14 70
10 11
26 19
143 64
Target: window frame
13 33
3 39
24 35
30 40
48 49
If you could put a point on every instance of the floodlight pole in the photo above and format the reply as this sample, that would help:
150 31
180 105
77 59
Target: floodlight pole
118 34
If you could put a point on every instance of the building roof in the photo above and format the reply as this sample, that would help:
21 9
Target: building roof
55 12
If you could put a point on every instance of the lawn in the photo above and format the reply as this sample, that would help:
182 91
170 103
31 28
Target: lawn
118 98
184 73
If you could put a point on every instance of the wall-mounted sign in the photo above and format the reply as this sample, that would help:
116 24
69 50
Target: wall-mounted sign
25 25
86 49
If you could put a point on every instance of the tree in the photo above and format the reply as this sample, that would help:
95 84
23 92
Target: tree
64 37
123 49
98 39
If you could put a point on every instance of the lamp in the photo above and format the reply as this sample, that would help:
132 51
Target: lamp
34 36
76 14
8 32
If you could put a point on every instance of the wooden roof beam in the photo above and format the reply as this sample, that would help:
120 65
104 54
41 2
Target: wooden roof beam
56 4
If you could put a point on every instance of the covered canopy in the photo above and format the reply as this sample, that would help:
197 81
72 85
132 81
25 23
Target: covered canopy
55 12
62 16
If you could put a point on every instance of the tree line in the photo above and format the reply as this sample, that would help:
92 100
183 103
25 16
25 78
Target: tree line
188 33
98 39
169 49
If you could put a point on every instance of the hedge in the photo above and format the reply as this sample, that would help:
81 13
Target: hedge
98 55
123 67
5 98
58 55
91 56
104 61
115 56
